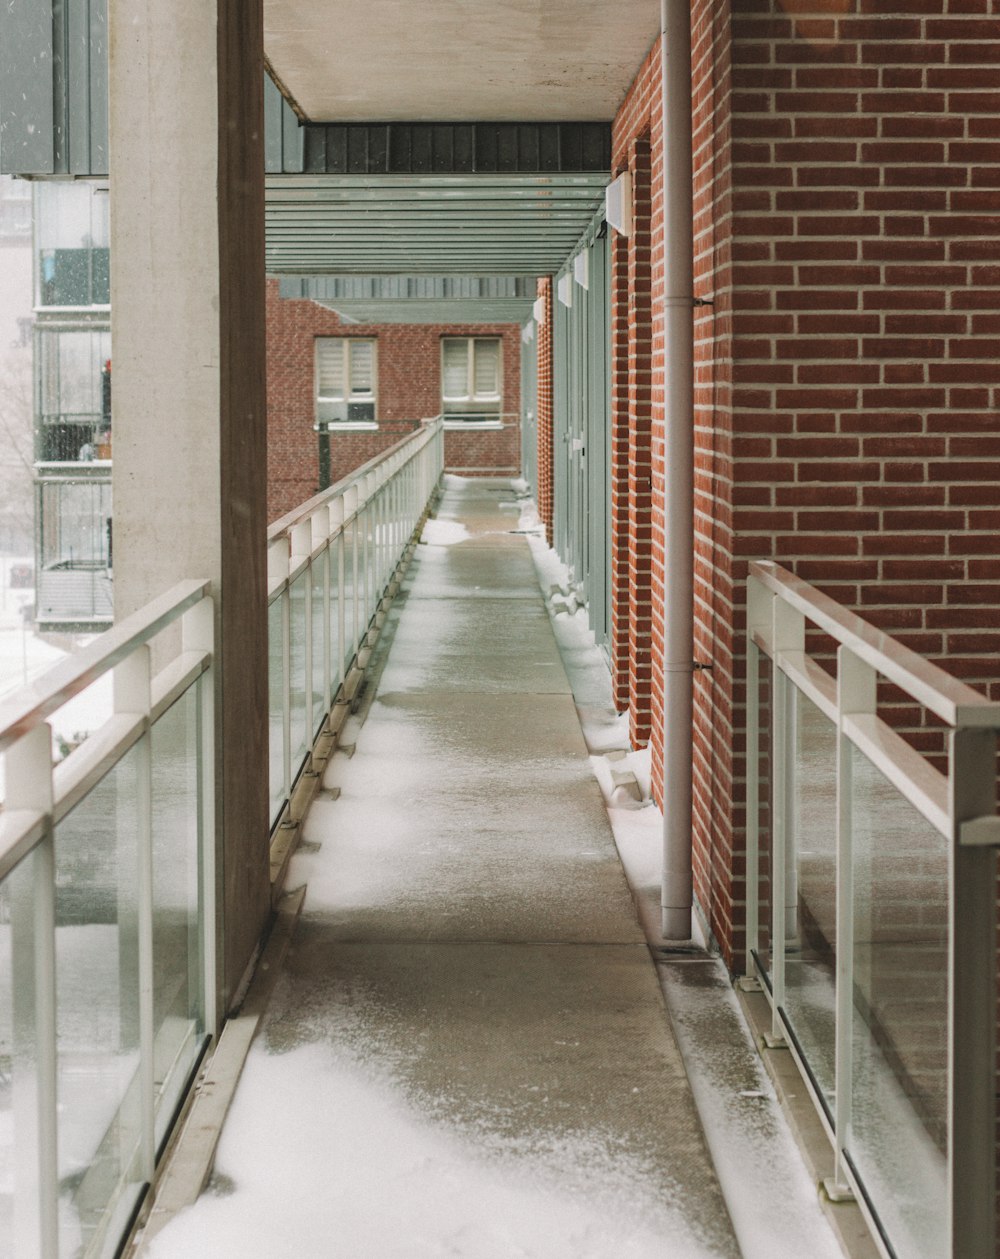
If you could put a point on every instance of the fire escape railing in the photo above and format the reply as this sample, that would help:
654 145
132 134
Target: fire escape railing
871 908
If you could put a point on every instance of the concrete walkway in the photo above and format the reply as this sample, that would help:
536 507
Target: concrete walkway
469 961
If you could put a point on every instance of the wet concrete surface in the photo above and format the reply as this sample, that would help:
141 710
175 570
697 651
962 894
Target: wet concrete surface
468 930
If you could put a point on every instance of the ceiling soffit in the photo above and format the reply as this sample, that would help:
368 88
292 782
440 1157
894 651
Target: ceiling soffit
445 59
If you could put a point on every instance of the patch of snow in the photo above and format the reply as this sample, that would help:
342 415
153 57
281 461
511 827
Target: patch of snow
443 532
353 1170
772 1203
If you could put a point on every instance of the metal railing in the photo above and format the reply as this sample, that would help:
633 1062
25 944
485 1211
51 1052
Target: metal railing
330 563
107 920
871 910
108 989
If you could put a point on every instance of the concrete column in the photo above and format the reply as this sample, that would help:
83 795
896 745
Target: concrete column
187 248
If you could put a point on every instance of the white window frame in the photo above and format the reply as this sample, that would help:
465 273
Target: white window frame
470 397
349 395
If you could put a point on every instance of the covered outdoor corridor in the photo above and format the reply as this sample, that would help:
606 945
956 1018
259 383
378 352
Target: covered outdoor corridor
468 1050
750 251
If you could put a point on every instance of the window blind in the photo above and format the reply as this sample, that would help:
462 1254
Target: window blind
456 369
486 374
330 367
362 365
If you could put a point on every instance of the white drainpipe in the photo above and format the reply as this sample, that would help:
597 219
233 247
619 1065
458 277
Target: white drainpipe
678 509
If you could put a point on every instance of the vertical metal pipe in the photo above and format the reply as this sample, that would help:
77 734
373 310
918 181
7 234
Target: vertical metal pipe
678 454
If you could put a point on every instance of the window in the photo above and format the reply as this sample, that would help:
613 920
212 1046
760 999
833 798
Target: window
470 378
345 380
72 391
71 237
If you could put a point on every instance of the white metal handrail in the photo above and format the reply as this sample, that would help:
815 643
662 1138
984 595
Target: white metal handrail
791 778
138 795
166 995
330 563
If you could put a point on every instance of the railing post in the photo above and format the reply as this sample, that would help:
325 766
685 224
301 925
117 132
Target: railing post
320 529
28 768
302 550
336 511
351 512
198 634
382 528
278 564
856 694
133 697
758 613
972 998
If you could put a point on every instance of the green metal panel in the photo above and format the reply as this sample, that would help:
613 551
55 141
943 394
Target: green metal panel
274 106
405 299
582 439
98 158
529 406
560 429
423 148
517 224
27 101
54 87
599 441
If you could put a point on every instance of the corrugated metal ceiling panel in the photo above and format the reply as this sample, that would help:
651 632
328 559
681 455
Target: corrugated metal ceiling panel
427 224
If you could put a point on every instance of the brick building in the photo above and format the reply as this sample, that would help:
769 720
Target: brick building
807 376
406 387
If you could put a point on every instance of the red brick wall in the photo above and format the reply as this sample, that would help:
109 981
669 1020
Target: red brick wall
866 317
847 204
409 388
544 419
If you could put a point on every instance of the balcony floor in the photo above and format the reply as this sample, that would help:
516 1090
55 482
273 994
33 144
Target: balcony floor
468 1052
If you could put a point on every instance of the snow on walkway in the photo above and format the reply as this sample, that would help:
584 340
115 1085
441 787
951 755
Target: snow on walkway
467 1052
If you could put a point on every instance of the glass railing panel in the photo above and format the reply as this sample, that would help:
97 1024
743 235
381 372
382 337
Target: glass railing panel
178 964
276 707
337 618
810 890
319 645
97 989
18 1061
352 618
8 1125
300 684
898 1130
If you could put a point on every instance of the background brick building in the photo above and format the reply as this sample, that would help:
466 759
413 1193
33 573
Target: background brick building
408 390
